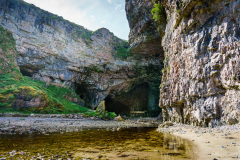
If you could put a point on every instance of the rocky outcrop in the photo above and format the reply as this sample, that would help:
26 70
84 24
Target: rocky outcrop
198 42
144 37
96 64
201 80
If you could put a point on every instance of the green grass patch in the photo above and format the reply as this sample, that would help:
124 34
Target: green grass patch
234 78
54 97
105 115
6 40
122 49
84 34
7 44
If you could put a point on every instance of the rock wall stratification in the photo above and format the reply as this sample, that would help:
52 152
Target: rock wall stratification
200 81
55 50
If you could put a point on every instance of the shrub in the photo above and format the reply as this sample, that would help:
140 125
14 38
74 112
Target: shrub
157 12
122 49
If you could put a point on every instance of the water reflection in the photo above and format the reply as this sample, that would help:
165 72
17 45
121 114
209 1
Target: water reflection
134 143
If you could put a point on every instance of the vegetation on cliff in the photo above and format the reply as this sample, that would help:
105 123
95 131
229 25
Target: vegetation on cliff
22 94
160 17
122 49
157 11
7 52
32 96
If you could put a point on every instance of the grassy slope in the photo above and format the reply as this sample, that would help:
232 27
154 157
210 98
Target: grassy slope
11 87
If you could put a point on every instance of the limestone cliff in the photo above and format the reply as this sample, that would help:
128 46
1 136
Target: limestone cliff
200 80
96 64
145 42
19 93
144 37
200 43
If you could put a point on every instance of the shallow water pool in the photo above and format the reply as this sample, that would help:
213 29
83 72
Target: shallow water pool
132 143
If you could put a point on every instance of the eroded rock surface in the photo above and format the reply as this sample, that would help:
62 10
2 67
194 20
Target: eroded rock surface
201 77
145 40
144 37
54 50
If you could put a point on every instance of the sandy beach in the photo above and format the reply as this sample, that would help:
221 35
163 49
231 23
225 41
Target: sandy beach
219 143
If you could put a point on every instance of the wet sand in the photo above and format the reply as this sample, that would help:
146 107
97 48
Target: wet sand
222 142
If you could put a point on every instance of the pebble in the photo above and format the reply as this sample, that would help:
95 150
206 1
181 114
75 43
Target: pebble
51 125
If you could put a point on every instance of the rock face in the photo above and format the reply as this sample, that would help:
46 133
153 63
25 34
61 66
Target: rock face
198 41
201 78
144 37
145 42
7 52
54 50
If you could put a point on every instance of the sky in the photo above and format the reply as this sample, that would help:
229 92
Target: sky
91 14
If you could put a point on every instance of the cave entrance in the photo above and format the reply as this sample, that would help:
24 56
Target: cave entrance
28 70
84 93
113 105
140 98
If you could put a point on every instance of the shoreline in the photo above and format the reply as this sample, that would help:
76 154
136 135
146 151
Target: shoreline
222 142
28 125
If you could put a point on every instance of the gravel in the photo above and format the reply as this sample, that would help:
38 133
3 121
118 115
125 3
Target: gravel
26 125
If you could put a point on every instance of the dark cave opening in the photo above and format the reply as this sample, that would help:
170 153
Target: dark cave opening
25 72
83 91
82 96
137 99
181 112
116 106
28 70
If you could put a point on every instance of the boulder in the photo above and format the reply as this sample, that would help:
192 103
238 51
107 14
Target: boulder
101 107
231 121
118 118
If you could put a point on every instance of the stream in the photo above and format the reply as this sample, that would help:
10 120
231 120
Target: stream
131 143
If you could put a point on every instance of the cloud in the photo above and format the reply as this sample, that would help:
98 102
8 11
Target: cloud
91 14
118 6
68 10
